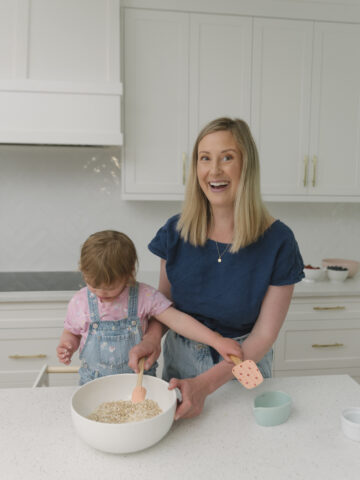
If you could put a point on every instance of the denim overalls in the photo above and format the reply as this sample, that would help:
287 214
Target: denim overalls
184 358
106 350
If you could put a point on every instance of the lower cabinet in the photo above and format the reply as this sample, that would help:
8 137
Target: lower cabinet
29 335
321 336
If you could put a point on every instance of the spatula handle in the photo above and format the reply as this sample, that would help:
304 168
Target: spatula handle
235 360
141 372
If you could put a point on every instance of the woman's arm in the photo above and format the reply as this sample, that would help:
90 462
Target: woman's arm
266 329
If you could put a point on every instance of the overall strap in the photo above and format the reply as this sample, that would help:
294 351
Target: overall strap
93 307
133 300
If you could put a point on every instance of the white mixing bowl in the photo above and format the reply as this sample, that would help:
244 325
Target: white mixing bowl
122 437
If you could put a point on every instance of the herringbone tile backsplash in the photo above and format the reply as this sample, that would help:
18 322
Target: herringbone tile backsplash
52 198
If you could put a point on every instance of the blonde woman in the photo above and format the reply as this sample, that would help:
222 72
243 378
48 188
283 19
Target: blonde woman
226 261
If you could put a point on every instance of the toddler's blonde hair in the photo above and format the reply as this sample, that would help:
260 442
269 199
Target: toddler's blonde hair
108 257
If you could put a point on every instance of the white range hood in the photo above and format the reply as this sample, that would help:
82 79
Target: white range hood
60 73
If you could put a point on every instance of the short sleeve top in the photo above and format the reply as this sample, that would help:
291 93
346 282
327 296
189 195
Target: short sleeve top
151 302
227 296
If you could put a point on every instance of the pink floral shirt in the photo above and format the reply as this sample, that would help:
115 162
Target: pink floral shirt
150 302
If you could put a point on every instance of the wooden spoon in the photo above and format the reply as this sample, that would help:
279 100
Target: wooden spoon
139 392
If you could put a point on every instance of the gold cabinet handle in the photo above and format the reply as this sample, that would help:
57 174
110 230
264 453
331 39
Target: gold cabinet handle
315 159
184 168
329 308
326 345
306 163
17 357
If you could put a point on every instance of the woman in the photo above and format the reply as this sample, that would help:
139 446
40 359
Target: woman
226 262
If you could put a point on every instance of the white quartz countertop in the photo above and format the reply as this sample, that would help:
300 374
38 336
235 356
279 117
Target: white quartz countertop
37 440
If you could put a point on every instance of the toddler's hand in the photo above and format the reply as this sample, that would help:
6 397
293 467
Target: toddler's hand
227 347
64 353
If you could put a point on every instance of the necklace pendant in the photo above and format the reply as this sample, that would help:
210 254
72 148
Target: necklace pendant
219 260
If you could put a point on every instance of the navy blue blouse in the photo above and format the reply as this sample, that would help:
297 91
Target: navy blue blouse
227 296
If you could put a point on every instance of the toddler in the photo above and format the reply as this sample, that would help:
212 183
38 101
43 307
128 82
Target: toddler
109 316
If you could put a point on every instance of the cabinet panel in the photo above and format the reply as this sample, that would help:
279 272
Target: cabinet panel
7 37
71 50
220 69
335 139
156 101
282 54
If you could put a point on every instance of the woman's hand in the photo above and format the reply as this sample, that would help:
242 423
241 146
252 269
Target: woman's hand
148 348
227 347
193 396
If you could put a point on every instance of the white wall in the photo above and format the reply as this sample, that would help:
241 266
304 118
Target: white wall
52 198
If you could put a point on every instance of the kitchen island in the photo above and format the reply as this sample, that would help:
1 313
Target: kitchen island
37 439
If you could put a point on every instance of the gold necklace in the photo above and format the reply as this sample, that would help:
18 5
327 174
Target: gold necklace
220 255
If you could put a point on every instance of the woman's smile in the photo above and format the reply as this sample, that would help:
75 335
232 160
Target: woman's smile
219 167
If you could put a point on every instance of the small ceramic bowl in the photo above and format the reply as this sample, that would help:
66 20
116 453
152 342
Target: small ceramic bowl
337 275
272 408
313 274
350 423
351 265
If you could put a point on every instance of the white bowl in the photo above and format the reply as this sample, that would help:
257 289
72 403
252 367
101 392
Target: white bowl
350 423
337 275
314 274
351 265
122 437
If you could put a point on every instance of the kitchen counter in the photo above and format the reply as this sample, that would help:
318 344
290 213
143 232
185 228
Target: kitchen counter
37 440
350 286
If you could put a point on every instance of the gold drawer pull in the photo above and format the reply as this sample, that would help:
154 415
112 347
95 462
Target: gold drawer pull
306 163
317 345
329 308
39 355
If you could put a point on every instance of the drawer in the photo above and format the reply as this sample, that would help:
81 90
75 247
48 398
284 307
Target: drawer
29 348
322 308
336 346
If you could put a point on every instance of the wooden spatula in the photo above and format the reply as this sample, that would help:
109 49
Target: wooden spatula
246 372
139 392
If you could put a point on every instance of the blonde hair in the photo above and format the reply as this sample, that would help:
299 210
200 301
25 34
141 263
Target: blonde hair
251 217
108 257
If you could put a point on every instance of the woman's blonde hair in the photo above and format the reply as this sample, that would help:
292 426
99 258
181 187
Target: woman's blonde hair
108 257
251 217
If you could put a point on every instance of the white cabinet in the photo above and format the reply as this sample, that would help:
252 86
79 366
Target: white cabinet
321 335
60 72
282 55
181 70
29 334
220 69
156 103
305 108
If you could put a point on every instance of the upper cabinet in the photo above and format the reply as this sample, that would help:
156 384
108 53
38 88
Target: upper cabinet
60 72
290 74
305 106
181 70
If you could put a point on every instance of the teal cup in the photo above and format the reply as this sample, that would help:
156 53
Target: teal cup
272 408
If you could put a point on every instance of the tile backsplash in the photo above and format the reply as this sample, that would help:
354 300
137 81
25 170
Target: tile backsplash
52 198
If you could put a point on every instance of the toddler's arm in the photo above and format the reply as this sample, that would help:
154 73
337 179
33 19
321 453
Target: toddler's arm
68 344
189 327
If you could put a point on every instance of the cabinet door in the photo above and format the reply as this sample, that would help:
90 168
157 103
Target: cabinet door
282 52
220 69
156 103
335 126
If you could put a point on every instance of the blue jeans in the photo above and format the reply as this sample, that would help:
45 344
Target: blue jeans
184 358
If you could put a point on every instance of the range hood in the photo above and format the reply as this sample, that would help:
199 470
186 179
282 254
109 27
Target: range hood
60 113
